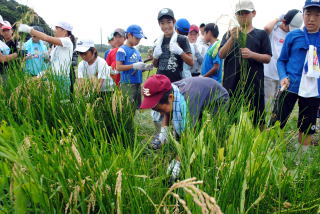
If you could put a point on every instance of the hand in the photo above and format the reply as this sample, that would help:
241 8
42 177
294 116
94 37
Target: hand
234 33
24 28
174 48
246 53
281 17
285 82
157 52
138 66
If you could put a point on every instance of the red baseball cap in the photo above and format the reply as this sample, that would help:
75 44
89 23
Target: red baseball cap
153 90
194 28
6 26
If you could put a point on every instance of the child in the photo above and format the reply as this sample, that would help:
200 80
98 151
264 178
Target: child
171 50
176 100
256 51
195 50
130 65
37 54
212 64
8 49
299 71
278 30
61 54
93 67
119 39
182 28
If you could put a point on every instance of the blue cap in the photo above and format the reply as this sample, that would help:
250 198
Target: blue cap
183 25
311 3
136 31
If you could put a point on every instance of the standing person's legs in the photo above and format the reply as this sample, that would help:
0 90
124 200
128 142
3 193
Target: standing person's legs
287 101
308 109
270 89
133 93
258 105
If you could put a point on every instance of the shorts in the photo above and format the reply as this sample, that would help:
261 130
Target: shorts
133 92
308 109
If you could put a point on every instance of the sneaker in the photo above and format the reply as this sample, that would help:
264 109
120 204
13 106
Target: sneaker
174 169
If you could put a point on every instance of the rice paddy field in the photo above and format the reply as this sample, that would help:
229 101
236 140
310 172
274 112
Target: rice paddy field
86 154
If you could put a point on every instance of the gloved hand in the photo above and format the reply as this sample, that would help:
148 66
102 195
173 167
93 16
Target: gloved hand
174 48
142 66
157 52
24 28
138 66
148 67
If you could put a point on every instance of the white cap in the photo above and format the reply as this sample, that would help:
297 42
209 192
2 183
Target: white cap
6 26
64 25
244 5
84 45
296 22
1 20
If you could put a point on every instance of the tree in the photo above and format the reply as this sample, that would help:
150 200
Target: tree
13 12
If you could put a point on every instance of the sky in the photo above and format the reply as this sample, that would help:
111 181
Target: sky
96 19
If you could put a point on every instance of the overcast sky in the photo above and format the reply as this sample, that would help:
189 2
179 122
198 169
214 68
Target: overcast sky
91 17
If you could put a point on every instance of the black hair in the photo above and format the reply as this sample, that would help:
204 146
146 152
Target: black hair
182 33
73 39
202 25
94 51
213 28
312 8
166 17
165 98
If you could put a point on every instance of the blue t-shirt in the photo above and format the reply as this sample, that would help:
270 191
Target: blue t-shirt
129 55
208 64
37 52
293 54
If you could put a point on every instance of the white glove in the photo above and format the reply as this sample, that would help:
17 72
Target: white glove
138 65
164 133
281 17
157 52
148 67
24 28
174 48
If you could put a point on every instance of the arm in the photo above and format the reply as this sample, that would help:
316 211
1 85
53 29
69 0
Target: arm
155 62
226 49
212 71
7 58
269 27
187 58
45 37
120 67
248 54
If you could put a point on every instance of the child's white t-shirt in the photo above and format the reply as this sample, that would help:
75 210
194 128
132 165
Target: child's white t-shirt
61 57
99 69
277 37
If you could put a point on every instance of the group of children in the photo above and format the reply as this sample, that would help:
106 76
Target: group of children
192 64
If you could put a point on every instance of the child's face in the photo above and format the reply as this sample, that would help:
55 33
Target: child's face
119 40
311 18
193 36
167 26
245 17
59 32
87 56
207 36
7 34
134 41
